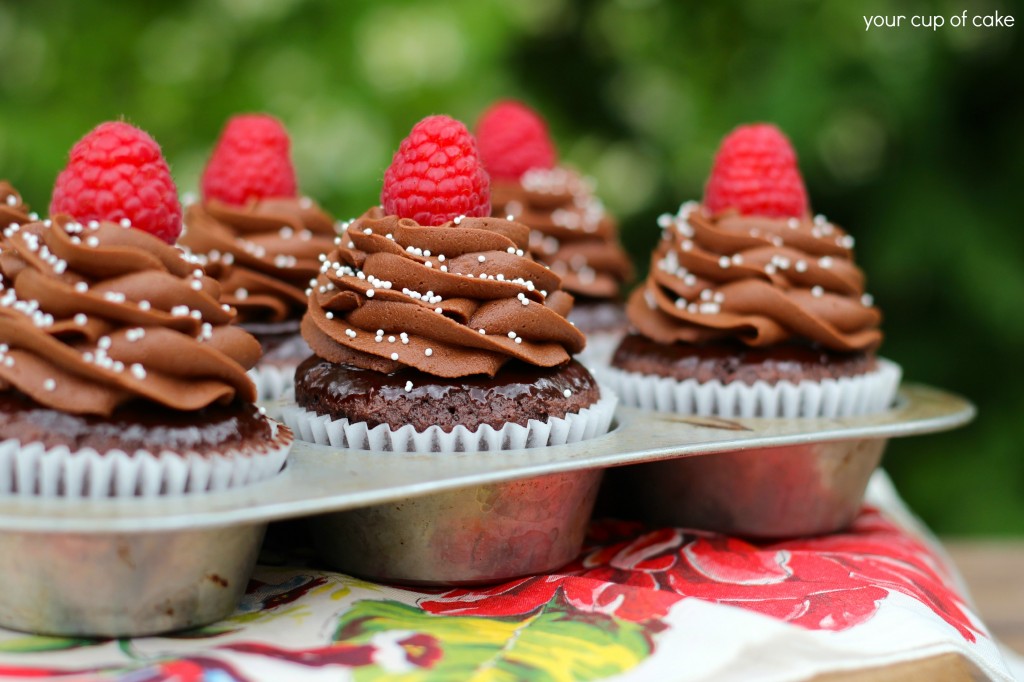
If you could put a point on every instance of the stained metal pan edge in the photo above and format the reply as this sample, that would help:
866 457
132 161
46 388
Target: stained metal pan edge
321 479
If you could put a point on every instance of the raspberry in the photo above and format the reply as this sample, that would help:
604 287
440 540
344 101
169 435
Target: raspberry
755 172
513 139
436 175
117 171
251 161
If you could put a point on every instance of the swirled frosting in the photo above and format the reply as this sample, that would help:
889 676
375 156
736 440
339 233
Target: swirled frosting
760 281
455 300
94 316
12 209
570 230
264 254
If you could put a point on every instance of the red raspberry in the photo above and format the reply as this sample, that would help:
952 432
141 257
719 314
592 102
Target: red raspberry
755 172
513 139
117 171
252 160
436 175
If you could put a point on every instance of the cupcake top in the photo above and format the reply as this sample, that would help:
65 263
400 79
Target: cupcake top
450 292
256 236
570 230
750 265
12 209
96 313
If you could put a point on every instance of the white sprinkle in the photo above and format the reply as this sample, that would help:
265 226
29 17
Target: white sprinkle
428 352
723 262
196 285
483 331
329 315
12 200
567 393
825 262
104 342
9 361
867 300
350 334
793 223
394 356
369 293
438 310
81 319
511 335
138 371
408 386
481 259
391 339
817 292
144 305
367 231
92 241
81 287
519 339
196 315
801 266
50 385
182 310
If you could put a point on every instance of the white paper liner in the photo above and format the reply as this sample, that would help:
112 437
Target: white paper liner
272 380
599 349
845 397
33 471
340 433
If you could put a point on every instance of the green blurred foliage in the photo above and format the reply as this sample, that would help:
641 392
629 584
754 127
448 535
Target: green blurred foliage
909 138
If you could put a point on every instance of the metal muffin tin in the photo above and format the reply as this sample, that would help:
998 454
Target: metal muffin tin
135 567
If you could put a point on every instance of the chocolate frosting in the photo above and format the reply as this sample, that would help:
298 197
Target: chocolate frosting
759 281
94 316
264 254
12 209
455 300
570 230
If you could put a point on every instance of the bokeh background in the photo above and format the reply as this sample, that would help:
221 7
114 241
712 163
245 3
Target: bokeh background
910 138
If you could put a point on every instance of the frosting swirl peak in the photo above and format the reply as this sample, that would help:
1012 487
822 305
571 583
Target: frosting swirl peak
264 254
459 299
12 209
570 230
94 316
760 281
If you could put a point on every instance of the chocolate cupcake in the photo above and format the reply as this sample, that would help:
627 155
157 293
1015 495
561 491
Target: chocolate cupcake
752 307
260 240
570 230
433 329
120 373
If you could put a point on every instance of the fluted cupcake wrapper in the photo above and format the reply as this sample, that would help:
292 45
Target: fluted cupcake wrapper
600 349
272 381
848 396
32 470
589 422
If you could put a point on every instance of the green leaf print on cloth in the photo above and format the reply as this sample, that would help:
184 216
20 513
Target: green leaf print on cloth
555 642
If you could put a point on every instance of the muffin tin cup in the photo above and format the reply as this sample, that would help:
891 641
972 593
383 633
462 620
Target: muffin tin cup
124 584
472 535
476 535
865 394
120 566
32 470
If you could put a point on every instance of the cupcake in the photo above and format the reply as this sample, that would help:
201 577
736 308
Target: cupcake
260 240
12 210
570 231
433 329
752 307
120 373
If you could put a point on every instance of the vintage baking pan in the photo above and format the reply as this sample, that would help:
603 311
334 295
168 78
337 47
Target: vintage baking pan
134 567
